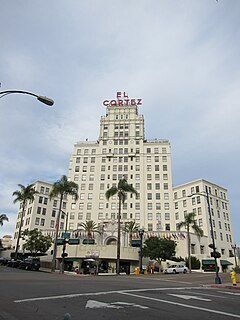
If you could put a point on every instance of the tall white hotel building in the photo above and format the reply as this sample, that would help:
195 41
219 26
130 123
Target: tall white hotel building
122 151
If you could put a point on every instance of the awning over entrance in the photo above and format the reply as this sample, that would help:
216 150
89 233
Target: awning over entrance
207 262
225 263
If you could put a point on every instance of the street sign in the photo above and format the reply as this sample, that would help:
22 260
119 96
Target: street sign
60 242
66 235
216 254
73 241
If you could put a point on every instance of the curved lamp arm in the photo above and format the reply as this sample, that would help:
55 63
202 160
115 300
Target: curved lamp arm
42 99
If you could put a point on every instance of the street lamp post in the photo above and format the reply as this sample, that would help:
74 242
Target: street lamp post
141 232
213 246
217 278
64 241
42 99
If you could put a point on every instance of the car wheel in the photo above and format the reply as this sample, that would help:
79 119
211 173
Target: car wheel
174 271
184 271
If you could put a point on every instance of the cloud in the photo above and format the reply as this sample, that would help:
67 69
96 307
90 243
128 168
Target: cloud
181 57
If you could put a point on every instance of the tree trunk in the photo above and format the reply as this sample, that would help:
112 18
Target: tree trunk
56 236
19 231
118 236
189 250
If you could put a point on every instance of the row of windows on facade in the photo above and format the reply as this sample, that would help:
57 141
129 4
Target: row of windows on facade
158 226
150 186
113 216
195 189
150 196
120 168
202 250
198 201
119 159
120 150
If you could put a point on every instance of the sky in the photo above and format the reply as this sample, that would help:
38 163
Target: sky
180 56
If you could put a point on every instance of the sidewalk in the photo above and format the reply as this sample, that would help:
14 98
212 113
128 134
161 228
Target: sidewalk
225 286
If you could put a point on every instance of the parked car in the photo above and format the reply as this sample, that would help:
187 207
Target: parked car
176 268
3 261
13 263
30 264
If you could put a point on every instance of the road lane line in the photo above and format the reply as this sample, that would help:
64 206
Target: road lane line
183 305
102 293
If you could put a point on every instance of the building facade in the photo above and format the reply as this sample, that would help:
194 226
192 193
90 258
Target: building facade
123 151
40 213
192 197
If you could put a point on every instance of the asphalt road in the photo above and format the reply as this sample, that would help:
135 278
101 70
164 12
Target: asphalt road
46 296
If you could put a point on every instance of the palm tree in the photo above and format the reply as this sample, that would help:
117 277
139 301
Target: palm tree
89 227
121 190
3 217
61 188
130 227
190 222
23 195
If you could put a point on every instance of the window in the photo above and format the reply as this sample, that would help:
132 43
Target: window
167 226
192 248
52 224
40 200
81 197
88 216
42 189
158 206
157 186
202 249
77 169
53 213
39 210
149 186
149 206
148 150
37 221
149 196
200 223
42 222
44 211
150 216
165 186
167 216
166 206
90 196
150 227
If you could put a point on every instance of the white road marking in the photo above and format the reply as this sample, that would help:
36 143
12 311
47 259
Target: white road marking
207 294
232 293
185 282
183 305
66 296
93 304
183 296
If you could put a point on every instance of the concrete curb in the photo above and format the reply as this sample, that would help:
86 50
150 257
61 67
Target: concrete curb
227 286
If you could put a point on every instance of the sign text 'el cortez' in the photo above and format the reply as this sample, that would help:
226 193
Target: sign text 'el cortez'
122 100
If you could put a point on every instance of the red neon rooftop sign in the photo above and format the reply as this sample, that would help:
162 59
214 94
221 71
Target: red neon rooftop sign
122 100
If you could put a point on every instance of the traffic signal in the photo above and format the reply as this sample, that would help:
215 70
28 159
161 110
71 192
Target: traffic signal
216 254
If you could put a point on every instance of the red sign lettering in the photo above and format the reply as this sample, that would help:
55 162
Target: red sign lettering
121 100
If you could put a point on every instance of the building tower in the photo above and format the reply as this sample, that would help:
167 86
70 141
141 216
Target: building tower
122 151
